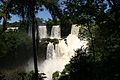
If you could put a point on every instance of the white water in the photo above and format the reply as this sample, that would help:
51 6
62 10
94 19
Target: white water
42 32
62 51
75 29
55 32
50 51
59 55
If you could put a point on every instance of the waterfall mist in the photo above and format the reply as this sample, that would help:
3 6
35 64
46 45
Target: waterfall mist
58 55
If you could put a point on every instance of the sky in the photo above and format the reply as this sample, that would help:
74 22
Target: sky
41 14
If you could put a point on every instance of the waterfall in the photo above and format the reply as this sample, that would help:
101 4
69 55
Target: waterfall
58 55
42 32
30 31
50 51
75 29
55 32
57 50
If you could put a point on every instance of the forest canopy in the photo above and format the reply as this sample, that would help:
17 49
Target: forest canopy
100 22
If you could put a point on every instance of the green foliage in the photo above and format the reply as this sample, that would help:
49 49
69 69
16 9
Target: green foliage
101 22
14 24
101 28
80 67
17 75
55 75
40 21
83 67
15 47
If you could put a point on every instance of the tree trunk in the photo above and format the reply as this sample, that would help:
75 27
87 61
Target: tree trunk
34 45
4 24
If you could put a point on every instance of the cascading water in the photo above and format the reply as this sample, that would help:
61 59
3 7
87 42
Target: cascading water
57 50
42 32
58 55
56 63
75 30
55 32
50 51
62 51
30 31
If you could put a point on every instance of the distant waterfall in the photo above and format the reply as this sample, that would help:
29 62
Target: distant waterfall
75 30
30 32
50 51
59 54
42 32
56 32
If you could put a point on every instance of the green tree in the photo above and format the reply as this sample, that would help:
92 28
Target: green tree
27 9
80 68
101 20
15 48
4 12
